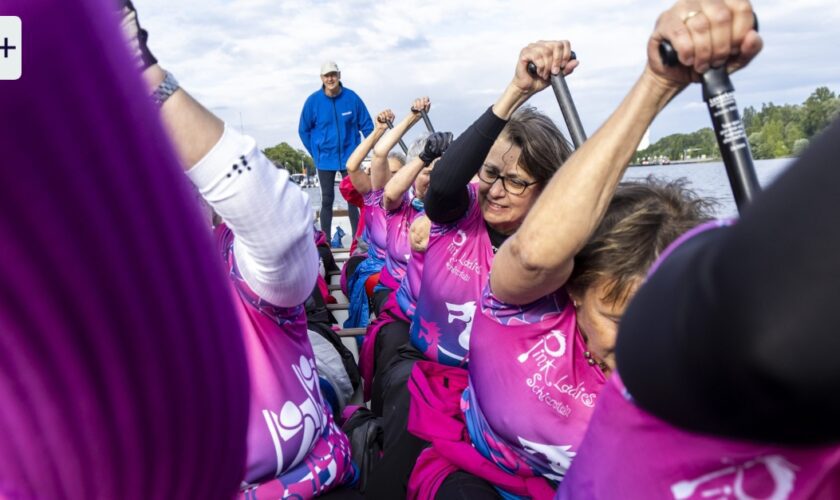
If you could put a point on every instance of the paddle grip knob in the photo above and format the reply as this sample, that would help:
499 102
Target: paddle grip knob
532 68
669 56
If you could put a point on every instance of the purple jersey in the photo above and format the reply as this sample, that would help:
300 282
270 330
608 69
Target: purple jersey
457 258
530 358
287 416
629 453
375 233
398 223
409 289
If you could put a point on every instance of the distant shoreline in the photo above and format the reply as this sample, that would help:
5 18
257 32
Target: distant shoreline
676 162
696 160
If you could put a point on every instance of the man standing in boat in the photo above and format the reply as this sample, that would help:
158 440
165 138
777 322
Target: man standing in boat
330 123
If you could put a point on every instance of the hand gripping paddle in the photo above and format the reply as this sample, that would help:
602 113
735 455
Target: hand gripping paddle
719 95
567 106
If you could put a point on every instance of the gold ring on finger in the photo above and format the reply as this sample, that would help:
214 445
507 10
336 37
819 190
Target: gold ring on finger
689 15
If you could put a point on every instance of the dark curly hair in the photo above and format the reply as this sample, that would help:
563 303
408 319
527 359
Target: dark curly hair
643 218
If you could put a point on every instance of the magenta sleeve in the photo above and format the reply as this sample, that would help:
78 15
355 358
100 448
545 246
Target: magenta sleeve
122 372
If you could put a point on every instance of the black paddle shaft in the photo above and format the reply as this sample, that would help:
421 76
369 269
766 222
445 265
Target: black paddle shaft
567 105
402 144
719 95
428 122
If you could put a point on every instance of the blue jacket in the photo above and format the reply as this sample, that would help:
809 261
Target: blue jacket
329 127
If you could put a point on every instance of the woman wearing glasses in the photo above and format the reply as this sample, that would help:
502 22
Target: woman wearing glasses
516 152
548 317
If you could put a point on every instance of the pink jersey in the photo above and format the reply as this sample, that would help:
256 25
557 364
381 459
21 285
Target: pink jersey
287 418
409 289
376 232
457 258
398 223
530 358
629 453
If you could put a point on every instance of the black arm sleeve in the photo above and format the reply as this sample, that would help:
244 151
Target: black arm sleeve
447 199
737 333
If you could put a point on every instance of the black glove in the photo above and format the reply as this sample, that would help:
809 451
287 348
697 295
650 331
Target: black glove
136 35
436 145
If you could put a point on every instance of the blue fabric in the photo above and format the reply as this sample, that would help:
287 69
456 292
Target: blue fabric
358 312
417 203
329 127
478 431
328 391
336 239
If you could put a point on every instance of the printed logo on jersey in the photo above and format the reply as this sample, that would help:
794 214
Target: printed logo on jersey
465 313
459 239
462 267
451 347
298 424
428 336
543 360
771 477
558 458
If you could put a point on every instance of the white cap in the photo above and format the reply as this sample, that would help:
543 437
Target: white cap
329 67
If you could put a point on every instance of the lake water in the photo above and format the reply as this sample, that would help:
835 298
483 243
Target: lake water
708 179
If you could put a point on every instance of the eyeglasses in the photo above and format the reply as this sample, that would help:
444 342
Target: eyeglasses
511 185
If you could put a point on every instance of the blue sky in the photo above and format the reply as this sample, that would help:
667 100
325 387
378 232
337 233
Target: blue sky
254 62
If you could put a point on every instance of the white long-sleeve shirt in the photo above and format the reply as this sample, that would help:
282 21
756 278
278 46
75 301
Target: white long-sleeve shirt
270 217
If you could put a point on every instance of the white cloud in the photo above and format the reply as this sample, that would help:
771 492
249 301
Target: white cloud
254 62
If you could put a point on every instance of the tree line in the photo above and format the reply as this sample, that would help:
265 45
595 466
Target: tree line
774 131
296 161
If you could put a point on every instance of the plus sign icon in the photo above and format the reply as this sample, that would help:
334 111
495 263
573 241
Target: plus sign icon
10 48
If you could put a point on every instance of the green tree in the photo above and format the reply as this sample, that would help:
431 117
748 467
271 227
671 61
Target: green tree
773 131
772 141
681 146
286 156
818 110
755 140
799 146
793 132
750 120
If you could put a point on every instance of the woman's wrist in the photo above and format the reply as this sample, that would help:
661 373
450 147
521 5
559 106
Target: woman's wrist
510 100
659 89
154 76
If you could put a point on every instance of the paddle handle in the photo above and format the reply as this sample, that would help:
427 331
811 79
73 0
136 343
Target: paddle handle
669 56
428 122
732 140
734 146
567 105
402 144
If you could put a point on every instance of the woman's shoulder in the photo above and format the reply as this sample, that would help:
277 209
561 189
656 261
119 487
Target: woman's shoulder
373 198
545 308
